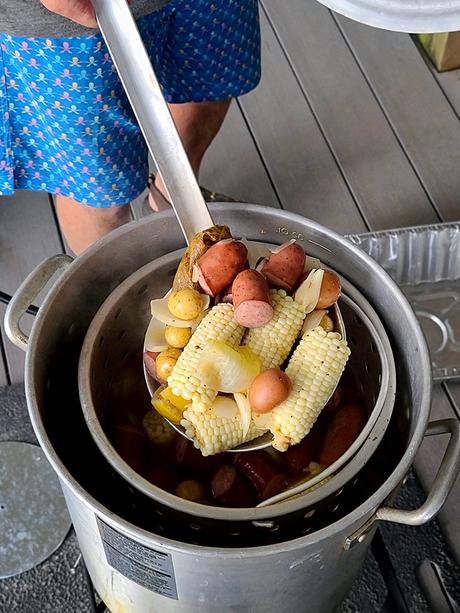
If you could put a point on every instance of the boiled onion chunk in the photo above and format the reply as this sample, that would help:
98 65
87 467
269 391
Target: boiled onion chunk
313 320
155 340
256 252
245 411
309 291
224 407
226 369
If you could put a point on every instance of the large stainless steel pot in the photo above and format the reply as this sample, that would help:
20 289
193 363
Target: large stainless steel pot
111 362
122 534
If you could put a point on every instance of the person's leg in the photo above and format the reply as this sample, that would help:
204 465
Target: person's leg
211 55
197 124
83 225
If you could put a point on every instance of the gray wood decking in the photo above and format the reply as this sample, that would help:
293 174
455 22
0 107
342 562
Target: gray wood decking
350 126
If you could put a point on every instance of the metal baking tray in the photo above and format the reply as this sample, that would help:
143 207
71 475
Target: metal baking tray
425 262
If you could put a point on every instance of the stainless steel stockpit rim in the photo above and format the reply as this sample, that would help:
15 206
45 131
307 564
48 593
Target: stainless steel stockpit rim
364 510
368 439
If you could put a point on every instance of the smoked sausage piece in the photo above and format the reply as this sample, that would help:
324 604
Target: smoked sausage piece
297 457
342 430
251 299
199 244
226 295
220 264
189 459
262 471
231 489
284 268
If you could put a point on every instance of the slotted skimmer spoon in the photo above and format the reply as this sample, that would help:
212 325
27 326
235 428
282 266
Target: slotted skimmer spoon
137 75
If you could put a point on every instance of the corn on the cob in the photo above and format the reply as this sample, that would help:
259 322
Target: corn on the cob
314 369
273 342
212 434
218 325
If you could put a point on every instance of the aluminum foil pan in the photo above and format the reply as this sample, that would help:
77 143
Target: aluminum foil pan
425 262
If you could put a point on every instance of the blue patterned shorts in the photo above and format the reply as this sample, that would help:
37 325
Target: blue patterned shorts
65 124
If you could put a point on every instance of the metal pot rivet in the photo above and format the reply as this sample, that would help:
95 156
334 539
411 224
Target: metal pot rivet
33 516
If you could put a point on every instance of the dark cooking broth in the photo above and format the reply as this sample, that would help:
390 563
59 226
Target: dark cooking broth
234 479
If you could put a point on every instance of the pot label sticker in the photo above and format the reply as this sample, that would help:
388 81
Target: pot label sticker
148 567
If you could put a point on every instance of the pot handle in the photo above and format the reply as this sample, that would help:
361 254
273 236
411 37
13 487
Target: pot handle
440 489
26 294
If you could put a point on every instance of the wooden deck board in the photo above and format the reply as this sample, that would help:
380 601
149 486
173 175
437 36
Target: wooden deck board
370 156
232 165
449 82
302 168
28 235
423 119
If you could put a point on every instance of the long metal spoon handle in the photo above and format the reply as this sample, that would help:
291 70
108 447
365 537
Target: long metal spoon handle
128 53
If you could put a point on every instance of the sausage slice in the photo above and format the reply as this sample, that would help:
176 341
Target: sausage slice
251 299
284 268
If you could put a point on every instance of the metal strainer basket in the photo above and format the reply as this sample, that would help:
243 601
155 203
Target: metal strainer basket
111 381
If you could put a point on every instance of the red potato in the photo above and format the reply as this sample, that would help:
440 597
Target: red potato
284 268
262 471
231 489
269 389
131 444
251 299
149 358
220 264
342 430
331 289
298 457
192 490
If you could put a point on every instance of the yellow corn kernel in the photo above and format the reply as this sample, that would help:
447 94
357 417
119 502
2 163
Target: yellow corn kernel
315 369
212 434
273 342
184 381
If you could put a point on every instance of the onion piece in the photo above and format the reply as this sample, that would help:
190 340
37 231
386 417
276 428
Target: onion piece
155 336
159 309
312 320
245 411
195 273
311 263
308 292
280 248
224 407
260 264
256 251
227 369
262 421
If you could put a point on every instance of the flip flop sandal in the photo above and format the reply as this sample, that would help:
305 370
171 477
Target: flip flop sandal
155 202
